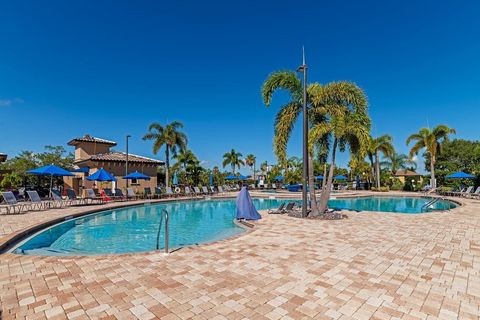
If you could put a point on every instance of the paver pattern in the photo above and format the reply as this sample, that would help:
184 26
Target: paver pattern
370 266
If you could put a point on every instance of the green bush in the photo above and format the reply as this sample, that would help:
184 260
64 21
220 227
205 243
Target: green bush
373 188
384 189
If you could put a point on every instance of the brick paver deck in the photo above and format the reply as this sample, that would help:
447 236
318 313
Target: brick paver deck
370 266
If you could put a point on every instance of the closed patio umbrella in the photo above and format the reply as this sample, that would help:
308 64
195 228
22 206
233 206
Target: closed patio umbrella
245 208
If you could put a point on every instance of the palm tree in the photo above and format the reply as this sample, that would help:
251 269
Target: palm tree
431 141
250 161
395 162
233 158
168 136
287 117
185 157
344 105
384 145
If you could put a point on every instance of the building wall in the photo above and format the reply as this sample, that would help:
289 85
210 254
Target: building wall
85 149
79 183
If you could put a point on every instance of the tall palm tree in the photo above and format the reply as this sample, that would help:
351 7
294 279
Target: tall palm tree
395 162
168 136
287 117
185 157
430 140
250 160
234 159
384 145
344 105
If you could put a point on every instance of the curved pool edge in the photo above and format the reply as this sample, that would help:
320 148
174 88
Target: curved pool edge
7 242
10 241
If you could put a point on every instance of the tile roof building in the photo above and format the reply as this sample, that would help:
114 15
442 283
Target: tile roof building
92 153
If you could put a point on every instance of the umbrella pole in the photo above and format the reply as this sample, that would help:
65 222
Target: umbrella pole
51 182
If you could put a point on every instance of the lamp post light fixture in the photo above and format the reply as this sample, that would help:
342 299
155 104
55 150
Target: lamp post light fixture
126 158
303 68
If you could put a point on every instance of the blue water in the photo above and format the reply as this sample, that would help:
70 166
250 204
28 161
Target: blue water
190 222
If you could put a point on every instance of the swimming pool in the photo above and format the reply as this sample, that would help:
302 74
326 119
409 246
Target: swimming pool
135 229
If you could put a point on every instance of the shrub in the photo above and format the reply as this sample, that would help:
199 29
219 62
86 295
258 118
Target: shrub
384 189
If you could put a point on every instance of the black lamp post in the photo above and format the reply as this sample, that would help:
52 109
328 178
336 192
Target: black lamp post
126 159
303 68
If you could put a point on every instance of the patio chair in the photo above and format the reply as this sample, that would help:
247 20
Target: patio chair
475 194
290 207
57 200
197 191
169 192
74 199
147 193
187 191
131 194
110 195
119 194
92 196
279 210
212 189
220 190
467 192
36 202
13 204
158 192
454 193
274 186
205 190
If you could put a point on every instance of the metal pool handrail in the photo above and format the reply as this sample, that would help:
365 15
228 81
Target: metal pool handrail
432 202
164 213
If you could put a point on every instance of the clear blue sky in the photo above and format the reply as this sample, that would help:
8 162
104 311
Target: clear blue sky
111 68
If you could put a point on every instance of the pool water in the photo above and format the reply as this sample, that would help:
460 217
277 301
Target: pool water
135 229
391 204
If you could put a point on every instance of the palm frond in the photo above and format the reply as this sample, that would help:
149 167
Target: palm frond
286 80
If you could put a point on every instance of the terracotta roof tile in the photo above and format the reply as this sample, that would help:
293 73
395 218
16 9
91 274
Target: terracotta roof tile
121 157
89 138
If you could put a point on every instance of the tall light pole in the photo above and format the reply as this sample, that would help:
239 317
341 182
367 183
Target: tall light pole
126 159
303 68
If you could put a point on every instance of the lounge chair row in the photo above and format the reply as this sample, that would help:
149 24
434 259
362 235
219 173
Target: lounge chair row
469 192
35 203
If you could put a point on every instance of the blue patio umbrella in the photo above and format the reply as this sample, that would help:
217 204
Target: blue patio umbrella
319 177
231 177
460 175
211 179
136 175
52 171
242 177
340 177
279 178
101 175
81 170
175 179
245 208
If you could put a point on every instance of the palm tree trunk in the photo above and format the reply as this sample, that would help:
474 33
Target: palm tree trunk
377 168
233 168
254 180
326 193
324 180
433 181
167 166
311 184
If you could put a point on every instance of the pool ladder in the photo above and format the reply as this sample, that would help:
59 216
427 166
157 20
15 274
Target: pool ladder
163 214
432 202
